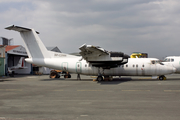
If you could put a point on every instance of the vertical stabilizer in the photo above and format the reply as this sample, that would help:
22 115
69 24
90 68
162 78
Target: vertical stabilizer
34 46
21 62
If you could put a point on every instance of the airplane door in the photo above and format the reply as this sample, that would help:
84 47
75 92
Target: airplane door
65 66
137 69
78 67
142 69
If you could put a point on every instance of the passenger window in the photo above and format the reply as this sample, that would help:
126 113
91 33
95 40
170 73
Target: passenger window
136 65
142 65
153 62
172 60
85 65
133 65
126 65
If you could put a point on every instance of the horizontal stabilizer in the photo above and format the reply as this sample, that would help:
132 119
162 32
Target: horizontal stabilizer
19 29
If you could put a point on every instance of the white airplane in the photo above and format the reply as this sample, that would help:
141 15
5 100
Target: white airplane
173 61
20 65
94 60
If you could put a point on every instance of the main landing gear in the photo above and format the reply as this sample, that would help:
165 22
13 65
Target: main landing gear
104 78
162 77
100 73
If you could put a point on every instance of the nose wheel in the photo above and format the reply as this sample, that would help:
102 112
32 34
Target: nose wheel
100 78
162 77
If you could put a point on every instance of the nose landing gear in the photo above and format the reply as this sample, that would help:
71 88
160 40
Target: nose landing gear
162 77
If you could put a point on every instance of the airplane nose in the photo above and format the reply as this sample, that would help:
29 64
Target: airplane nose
174 69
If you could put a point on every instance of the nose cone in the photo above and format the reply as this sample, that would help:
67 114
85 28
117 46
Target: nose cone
171 69
174 70
168 70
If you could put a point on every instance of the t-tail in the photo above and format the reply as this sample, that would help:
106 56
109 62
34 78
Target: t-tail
34 46
37 52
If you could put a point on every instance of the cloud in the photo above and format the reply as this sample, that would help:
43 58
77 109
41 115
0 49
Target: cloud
146 26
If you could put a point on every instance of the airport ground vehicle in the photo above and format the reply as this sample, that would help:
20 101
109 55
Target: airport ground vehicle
58 74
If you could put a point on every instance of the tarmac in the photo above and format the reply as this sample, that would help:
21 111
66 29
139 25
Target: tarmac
33 97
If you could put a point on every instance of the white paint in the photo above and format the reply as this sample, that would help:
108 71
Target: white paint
173 61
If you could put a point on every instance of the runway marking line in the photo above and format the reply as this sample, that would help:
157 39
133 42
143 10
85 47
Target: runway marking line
171 90
84 115
134 90
89 90
10 89
57 90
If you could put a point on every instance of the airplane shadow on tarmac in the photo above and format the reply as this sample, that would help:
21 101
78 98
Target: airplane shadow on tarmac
54 79
115 81
112 82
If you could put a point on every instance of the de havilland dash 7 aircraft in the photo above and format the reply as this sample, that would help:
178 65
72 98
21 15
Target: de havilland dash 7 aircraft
173 61
94 60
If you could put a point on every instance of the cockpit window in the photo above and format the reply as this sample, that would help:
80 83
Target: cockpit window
168 60
153 62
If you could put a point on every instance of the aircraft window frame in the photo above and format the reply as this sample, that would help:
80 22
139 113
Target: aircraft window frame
167 60
159 62
156 62
153 62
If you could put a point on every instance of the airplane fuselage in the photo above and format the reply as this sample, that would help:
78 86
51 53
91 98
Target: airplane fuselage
134 67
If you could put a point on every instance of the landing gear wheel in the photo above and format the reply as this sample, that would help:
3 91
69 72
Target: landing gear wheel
99 78
162 77
57 75
69 76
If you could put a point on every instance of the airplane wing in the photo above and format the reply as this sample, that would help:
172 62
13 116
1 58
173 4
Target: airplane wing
88 51
99 57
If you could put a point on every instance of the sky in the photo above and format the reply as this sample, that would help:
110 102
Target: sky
148 26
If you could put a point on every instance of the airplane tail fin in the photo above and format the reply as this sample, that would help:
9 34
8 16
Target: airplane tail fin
33 44
21 62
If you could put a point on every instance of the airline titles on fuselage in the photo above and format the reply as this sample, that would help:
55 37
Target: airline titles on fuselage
59 55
